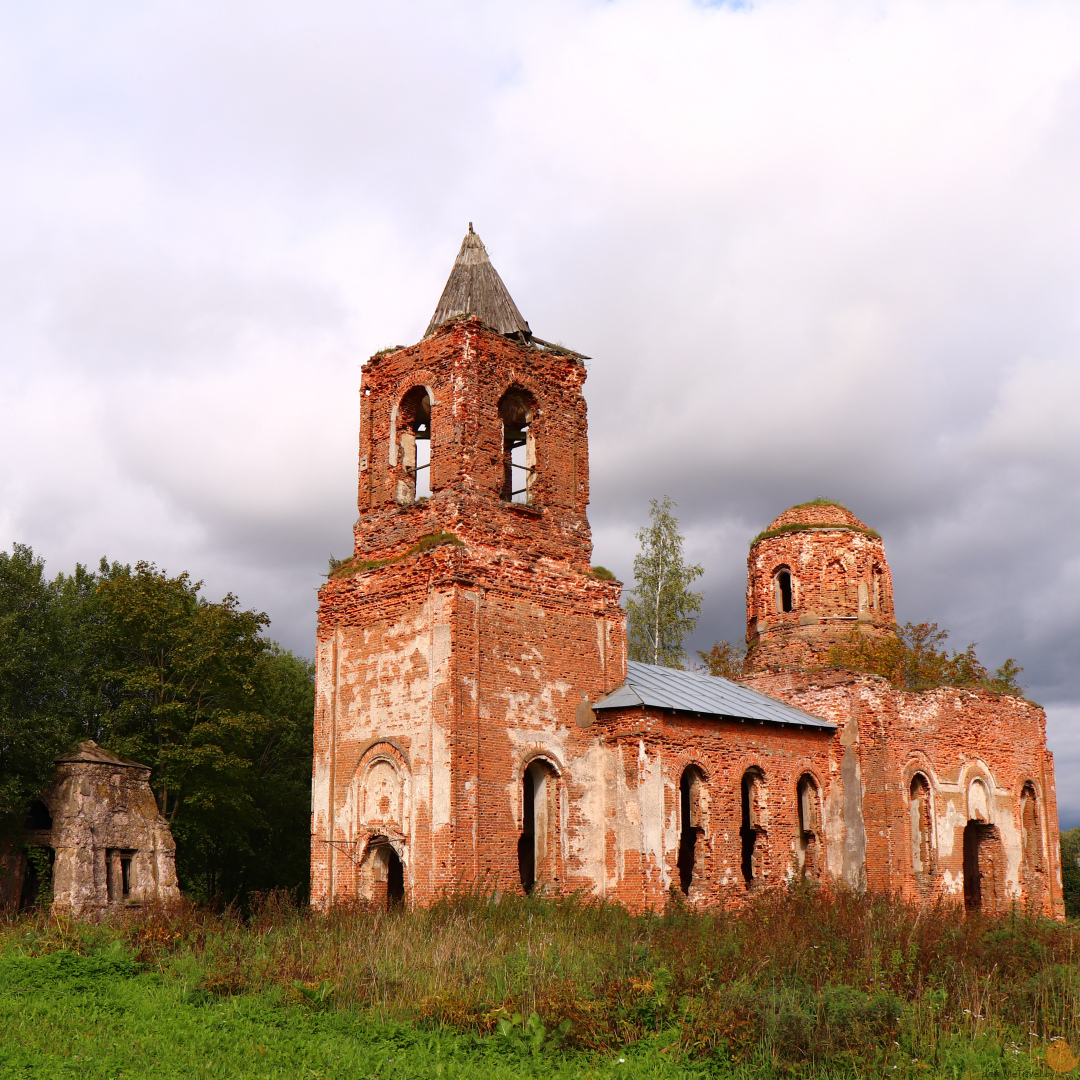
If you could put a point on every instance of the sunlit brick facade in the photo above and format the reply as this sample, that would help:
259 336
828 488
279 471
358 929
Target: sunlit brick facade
477 725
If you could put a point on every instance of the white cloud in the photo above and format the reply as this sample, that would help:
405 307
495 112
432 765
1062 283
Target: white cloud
815 247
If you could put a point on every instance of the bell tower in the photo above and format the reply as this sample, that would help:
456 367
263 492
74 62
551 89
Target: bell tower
458 642
479 431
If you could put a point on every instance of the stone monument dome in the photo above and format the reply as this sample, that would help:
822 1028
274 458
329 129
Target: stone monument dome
814 576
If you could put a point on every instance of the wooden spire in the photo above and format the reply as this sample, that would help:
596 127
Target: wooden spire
475 288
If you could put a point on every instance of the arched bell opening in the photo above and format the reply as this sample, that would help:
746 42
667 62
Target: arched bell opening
517 411
414 435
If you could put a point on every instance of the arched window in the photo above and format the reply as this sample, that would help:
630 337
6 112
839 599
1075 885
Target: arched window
783 590
690 824
517 411
876 597
414 437
752 830
922 826
810 840
539 805
1030 830
38 816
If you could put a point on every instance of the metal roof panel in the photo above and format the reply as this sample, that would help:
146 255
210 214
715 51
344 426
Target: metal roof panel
710 695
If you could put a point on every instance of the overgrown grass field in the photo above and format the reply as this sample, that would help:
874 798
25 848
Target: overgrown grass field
794 983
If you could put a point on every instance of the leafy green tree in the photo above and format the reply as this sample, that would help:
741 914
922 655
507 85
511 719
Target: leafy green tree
42 663
915 659
724 659
144 664
662 610
224 717
1070 871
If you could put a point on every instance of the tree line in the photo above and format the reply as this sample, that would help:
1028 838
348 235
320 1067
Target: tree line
148 667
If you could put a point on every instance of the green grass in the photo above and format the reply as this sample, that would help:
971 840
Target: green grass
797 526
793 984
104 1015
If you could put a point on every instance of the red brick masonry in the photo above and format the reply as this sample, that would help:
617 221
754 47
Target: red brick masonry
460 648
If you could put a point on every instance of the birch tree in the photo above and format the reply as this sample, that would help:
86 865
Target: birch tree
662 610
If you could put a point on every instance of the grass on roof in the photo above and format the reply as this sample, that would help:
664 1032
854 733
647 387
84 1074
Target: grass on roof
802 526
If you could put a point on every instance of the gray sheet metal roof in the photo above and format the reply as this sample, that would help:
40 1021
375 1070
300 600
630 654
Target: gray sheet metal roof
688 691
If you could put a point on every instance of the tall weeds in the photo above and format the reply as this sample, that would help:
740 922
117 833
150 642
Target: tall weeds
798 975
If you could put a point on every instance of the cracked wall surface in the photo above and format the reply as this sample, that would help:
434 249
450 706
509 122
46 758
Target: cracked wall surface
461 647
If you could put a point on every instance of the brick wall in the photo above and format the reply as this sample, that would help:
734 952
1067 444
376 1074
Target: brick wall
450 668
839 584
965 742
460 646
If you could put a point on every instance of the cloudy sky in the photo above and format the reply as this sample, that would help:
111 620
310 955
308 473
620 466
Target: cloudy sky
815 247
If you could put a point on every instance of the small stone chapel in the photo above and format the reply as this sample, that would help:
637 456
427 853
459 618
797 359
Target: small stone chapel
478 724
104 845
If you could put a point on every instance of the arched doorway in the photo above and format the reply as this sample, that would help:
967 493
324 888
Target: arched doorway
984 866
37 878
395 879
38 817
538 817
382 876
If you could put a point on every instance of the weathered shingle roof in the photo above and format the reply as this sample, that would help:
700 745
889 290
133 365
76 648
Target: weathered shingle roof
708 695
475 288
89 751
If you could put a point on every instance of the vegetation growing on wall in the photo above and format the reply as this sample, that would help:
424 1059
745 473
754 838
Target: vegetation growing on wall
724 659
798 526
916 659
347 567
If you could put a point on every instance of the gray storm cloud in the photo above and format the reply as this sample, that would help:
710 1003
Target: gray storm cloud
814 247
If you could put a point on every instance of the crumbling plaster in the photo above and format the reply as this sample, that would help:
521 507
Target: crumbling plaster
468 637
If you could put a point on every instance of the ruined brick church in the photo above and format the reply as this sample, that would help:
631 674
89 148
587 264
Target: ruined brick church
478 724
